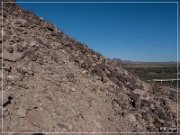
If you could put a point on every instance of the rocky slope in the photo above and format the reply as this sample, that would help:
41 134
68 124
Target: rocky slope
52 83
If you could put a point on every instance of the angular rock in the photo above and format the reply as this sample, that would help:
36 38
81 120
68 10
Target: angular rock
23 86
55 57
131 117
20 48
70 77
7 68
33 44
104 79
10 49
32 56
62 125
16 77
13 57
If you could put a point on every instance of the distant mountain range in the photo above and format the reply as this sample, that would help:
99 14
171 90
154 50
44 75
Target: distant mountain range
143 62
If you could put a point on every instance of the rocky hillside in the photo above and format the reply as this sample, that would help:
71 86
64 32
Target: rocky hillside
53 83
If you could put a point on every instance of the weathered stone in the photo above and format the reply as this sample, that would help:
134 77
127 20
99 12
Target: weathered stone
146 116
11 56
104 79
131 117
33 43
32 56
98 124
18 56
73 89
173 95
152 107
21 112
10 49
62 125
24 70
40 60
7 68
23 86
55 57
20 48
20 22
16 77
70 77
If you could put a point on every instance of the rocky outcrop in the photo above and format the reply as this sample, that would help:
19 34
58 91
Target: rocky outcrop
51 82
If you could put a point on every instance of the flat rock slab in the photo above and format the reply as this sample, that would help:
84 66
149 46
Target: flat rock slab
41 119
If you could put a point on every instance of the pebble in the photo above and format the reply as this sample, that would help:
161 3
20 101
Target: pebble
73 89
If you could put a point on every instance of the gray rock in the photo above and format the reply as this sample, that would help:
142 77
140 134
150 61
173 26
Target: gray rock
32 56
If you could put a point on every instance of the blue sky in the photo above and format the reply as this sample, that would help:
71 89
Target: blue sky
138 32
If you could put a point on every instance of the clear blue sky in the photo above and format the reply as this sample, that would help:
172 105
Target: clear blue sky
138 32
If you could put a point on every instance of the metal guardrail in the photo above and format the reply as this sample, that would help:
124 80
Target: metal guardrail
163 80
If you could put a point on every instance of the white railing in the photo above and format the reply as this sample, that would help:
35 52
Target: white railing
163 80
